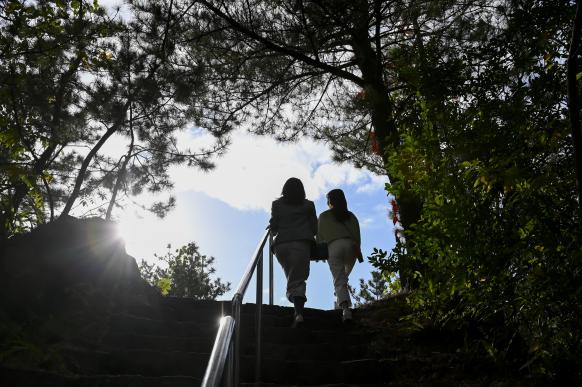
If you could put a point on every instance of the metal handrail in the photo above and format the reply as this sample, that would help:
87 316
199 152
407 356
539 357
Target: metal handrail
221 348
226 351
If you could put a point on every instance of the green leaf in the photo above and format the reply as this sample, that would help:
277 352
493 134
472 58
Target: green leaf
164 284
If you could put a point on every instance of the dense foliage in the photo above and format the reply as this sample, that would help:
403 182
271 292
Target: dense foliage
486 144
184 272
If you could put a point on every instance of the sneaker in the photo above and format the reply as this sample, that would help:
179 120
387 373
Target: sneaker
346 315
297 320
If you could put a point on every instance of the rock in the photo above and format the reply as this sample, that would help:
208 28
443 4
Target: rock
67 261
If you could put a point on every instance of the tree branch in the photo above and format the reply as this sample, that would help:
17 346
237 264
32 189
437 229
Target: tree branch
281 49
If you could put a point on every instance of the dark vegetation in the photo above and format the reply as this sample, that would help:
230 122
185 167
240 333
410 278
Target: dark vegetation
471 108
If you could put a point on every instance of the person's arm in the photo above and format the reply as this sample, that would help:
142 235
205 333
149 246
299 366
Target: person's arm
312 219
359 256
274 221
357 231
319 237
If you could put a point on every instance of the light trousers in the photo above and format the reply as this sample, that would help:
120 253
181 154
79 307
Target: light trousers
294 258
341 262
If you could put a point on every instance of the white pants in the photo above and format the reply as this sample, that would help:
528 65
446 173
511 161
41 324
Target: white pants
341 262
294 258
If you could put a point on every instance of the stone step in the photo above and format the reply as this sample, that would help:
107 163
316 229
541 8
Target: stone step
180 309
123 340
309 372
36 378
263 384
285 321
363 371
177 309
298 336
288 311
316 352
147 326
135 362
136 381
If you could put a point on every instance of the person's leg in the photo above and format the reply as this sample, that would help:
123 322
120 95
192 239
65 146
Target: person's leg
349 262
294 258
298 306
338 252
298 270
282 253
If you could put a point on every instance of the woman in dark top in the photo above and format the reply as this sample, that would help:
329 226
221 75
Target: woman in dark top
294 225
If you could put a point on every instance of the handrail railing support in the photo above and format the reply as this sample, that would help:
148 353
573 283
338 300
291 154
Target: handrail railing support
271 294
236 305
259 317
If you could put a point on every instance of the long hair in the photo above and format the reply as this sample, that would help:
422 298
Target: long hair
339 209
293 191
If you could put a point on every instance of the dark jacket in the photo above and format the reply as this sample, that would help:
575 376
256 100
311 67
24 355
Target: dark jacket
293 222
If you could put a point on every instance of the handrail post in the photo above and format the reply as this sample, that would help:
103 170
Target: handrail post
271 295
236 306
259 317
229 372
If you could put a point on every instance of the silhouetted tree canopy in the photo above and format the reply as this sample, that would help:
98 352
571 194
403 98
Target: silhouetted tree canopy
184 272
72 78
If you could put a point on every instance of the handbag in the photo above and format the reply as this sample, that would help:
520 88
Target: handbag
319 251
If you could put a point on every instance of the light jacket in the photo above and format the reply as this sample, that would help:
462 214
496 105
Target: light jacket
293 222
330 229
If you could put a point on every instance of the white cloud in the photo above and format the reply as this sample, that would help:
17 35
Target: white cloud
376 183
252 172
367 222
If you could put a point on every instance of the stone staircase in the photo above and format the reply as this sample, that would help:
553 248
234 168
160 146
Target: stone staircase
169 345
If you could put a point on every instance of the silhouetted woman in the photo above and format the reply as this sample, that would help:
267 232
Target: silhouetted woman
341 230
294 225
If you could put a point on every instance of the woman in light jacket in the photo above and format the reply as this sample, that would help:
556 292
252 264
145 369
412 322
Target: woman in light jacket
341 230
294 225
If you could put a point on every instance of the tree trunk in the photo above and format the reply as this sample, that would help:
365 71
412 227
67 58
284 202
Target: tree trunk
87 161
381 108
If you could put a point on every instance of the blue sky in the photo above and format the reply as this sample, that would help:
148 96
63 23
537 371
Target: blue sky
226 210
